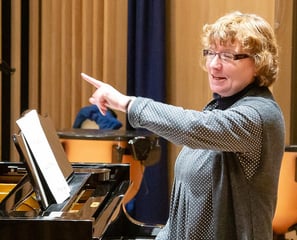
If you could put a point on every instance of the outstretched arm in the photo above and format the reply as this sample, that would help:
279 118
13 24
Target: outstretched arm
106 96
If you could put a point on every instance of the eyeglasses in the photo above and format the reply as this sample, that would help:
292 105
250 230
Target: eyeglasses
224 56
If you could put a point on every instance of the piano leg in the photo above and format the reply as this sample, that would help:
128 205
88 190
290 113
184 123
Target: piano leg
125 228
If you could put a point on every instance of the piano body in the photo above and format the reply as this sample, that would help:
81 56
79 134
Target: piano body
94 210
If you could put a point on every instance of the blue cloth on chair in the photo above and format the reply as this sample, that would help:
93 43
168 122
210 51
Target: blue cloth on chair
109 121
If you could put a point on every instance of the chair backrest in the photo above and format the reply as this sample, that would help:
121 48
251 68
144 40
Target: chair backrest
286 210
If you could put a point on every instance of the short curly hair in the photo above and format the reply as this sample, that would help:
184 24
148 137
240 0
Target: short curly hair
256 37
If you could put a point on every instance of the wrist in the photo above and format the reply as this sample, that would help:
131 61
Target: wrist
128 104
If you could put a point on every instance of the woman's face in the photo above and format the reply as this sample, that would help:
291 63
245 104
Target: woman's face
228 77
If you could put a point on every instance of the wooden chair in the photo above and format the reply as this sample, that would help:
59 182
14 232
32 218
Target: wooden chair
285 218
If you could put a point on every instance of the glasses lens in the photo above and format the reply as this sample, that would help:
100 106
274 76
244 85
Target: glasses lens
208 53
227 56
224 56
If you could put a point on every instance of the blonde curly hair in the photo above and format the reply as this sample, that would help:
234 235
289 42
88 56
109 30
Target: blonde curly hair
255 36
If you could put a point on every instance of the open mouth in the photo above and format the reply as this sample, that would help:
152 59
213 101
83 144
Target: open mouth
218 78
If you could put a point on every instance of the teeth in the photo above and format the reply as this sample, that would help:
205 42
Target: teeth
218 77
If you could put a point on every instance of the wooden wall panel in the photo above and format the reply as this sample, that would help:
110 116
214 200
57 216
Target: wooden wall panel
282 88
73 36
16 63
76 57
65 78
186 18
0 75
115 46
79 36
184 25
67 38
34 55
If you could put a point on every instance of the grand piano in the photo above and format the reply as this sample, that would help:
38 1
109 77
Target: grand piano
95 207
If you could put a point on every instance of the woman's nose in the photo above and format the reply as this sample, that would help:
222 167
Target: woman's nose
216 62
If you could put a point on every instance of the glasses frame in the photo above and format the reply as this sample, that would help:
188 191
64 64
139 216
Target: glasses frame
231 56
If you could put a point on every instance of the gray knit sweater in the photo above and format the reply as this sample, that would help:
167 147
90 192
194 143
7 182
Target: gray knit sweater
226 175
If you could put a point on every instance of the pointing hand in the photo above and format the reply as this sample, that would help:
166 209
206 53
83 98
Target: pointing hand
106 96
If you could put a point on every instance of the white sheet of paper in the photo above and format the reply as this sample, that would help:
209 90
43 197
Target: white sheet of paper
44 156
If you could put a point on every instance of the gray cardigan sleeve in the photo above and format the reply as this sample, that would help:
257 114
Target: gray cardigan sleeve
237 129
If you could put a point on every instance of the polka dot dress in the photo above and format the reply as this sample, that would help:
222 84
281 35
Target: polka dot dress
205 135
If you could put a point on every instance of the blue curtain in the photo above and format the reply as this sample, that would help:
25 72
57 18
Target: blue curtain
146 77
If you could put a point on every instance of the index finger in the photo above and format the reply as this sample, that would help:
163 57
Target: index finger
96 83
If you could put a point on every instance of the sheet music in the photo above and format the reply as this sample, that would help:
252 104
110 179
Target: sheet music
43 154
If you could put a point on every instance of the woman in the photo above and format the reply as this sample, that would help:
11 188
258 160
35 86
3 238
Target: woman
226 175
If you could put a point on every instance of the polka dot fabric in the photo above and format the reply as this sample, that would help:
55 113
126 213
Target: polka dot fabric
206 137
193 179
